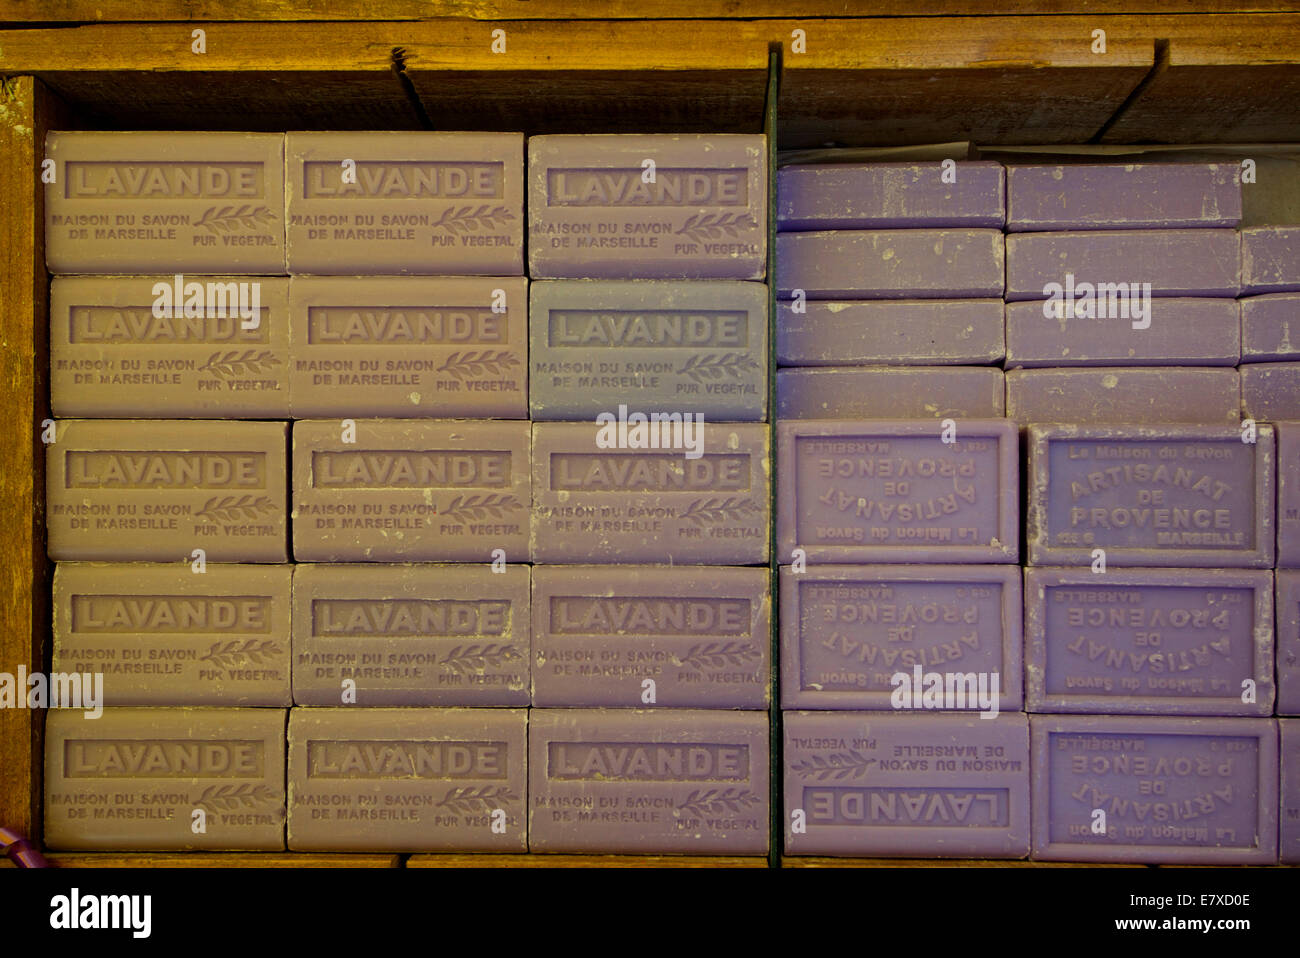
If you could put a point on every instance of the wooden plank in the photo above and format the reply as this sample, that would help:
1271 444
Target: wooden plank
937 863
219 860
581 861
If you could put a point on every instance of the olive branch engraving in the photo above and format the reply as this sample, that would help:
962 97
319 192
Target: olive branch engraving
836 766
224 798
250 361
227 218
469 218
716 655
234 652
713 800
717 366
464 658
235 507
709 509
703 226
470 363
486 506
471 799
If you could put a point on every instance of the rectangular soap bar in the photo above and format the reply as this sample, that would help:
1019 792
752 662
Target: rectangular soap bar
411 634
1289 817
1270 259
658 781
143 203
1149 641
408 780
890 264
1287 640
653 206
135 490
445 204
824 196
133 779
1190 791
598 497
123 346
1194 496
890 392
907 786
410 347
1288 495
846 631
403 491
1271 391
1266 323
601 632
1127 394
163 635
1196 262
649 345
899 332
1080 196
855 491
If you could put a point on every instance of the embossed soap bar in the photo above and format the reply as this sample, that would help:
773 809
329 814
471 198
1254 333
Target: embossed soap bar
1124 394
402 491
654 206
915 332
1271 391
1270 259
446 204
601 632
408 780
1288 495
410 634
898 491
1287 638
1173 790
1266 324
670 781
890 392
1289 816
139 779
150 202
134 490
909 786
164 635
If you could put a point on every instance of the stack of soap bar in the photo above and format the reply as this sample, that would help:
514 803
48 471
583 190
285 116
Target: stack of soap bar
890 392
1148 394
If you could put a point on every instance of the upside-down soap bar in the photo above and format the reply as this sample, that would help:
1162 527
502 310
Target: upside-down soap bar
155 491
890 392
823 196
142 203
1124 394
404 491
139 779
1266 324
1287 640
601 632
1271 391
1173 790
410 634
1289 816
907 785
654 206
408 780
1288 495
1270 259
445 204
669 782
166 635
914 332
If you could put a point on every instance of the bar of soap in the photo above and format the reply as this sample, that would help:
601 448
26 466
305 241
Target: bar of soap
1271 391
402 491
1289 817
900 332
139 779
1270 259
177 202
890 392
410 347
411 634
1083 196
1288 495
1195 496
897 492
601 632
909 786
117 349
1173 790
1149 641
1180 332
1287 639
135 490
598 497
823 196
1266 323
408 780
1195 262
659 781
653 206
890 264
846 631
446 204
1128 394
164 635
649 345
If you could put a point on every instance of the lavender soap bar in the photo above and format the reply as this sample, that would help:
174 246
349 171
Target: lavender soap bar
890 392
823 196
1271 391
1270 259
1128 394
899 332
1288 494
1289 837
1266 323
1287 609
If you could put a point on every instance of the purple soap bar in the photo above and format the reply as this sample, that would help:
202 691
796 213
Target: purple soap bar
903 332
1173 790
1288 495
1266 323
846 631
898 491
1193 496
601 632
1287 610
890 392
1289 818
1149 641
1122 196
447 204
1270 259
907 786
890 264
1130 394
1271 391
666 782
824 196
617 206
1175 262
